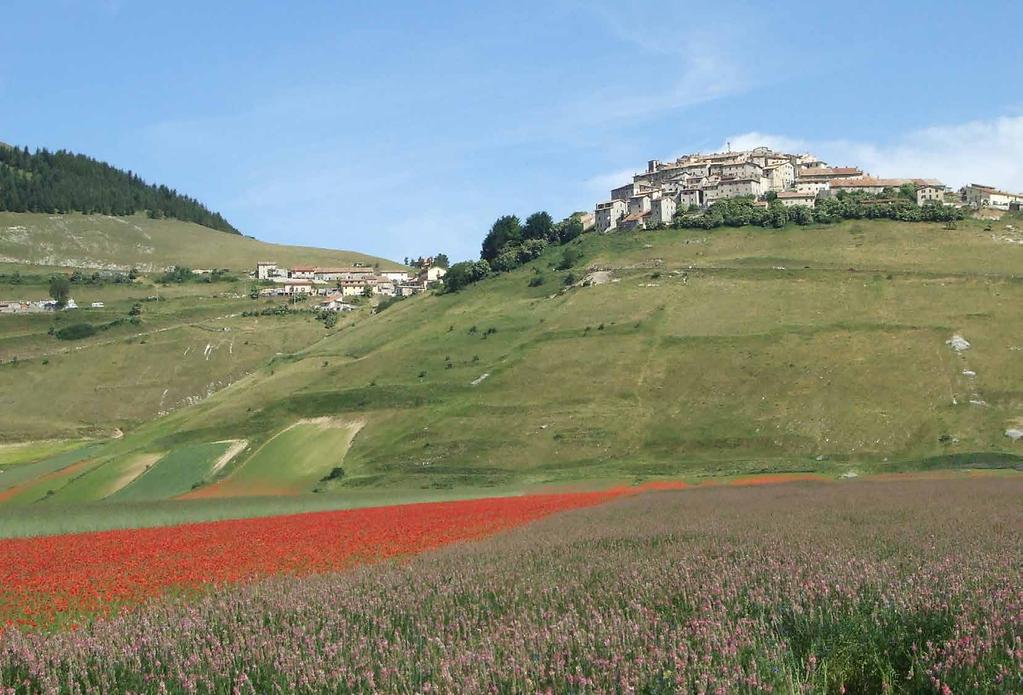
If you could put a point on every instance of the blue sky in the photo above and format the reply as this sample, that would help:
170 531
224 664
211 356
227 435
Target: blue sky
405 128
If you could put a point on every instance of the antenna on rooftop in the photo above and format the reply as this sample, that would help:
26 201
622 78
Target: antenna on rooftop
728 144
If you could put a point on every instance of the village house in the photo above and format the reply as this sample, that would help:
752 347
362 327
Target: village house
586 219
266 270
826 174
981 196
662 211
434 274
930 193
637 220
335 302
609 213
639 205
811 187
792 198
877 186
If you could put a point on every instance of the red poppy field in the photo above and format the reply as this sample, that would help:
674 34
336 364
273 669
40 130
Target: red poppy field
54 579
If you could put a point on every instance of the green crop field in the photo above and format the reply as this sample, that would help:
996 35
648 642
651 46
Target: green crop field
705 354
15 476
291 462
20 453
174 474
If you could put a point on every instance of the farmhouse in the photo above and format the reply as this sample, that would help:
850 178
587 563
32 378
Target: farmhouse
981 196
792 198
335 302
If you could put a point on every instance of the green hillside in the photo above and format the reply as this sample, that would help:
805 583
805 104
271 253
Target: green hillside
706 353
60 182
103 241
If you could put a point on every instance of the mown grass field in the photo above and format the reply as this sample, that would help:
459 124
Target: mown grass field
99 241
710 354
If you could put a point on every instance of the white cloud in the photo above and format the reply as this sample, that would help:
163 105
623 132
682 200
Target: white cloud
982 151
603 183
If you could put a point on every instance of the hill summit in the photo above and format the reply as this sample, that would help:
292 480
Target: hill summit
62 181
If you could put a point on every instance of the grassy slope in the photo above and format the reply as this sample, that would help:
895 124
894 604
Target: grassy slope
88 241
191 343
801 349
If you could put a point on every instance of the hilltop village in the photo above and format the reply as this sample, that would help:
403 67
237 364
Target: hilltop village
335 284
695 181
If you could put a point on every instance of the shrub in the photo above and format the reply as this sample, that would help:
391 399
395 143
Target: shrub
463 274
388 303
76 331
569 257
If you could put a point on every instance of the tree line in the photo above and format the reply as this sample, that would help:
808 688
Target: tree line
510 243
61 182
893 204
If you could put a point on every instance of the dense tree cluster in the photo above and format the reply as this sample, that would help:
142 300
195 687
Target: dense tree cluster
60 182
510 243
896 204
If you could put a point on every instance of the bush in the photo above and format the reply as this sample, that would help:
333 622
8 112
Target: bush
569 257
537 280
388 303
463 274
76 331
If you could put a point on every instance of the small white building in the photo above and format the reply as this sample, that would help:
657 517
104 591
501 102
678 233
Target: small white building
289 286
266 270
792 198
96 305
812 187
981 196
639 204
396 276
662 211
931 192
690 197
625 192
336 303
733 188
609 213
434 274
780 176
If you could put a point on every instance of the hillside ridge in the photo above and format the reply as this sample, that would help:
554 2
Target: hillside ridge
819 348
62 181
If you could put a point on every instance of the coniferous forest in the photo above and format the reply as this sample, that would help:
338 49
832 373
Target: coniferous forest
60 182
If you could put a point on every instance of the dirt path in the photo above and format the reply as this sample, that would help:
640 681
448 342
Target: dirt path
237 446
133 470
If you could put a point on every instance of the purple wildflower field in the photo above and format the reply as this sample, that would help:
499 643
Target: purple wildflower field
861 587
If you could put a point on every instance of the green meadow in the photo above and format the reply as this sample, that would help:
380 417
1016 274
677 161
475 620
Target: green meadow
707 354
